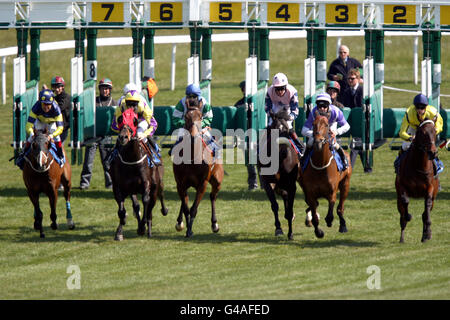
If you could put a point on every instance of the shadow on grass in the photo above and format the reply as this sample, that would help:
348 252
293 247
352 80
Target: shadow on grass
226 195
98 234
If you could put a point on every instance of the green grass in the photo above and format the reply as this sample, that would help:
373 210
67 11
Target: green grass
244 260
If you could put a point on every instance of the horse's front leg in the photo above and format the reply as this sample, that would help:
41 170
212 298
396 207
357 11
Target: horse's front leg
193 211
52 198
313 204
330 216
66 182
402 206
122 213
149 200
184 207
38 215
344 187
215 184
274 205
137 214
426 217
289 210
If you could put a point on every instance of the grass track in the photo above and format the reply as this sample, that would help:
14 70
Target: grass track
244 260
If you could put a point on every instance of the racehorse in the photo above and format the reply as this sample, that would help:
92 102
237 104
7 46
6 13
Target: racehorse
42 173
132 174
196 169
322 179
416 177
282 179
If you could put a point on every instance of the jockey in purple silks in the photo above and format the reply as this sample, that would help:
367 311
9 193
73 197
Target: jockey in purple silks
335 118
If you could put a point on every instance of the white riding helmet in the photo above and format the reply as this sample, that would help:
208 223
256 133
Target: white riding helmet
129 87
324 97
279 80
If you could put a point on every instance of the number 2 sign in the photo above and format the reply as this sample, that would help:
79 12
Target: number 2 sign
400 14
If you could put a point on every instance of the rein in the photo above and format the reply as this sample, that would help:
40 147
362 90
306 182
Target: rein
324 167
39 170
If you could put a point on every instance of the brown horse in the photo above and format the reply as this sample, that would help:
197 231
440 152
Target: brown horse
416 177
281 178
322 179
41 173
131 174
194 166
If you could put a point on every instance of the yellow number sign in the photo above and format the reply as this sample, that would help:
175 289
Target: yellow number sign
107 12
225 12
166 12
341 13
399 14
445 15
283 12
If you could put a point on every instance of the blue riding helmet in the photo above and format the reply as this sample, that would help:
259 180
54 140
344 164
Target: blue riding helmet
46 96
420 99
193 89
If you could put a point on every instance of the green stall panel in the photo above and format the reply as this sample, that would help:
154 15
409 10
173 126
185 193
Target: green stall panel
163 116
392 121
22 107
224 118
300 121
445 134
103 119
87 101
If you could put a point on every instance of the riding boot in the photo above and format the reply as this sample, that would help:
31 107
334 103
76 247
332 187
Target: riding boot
59 151
297 141
21 156
343 157
306 154
153 150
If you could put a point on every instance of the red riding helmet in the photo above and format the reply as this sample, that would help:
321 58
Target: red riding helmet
58 80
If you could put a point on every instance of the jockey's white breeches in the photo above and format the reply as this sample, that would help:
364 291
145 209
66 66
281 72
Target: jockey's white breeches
51 127
405 145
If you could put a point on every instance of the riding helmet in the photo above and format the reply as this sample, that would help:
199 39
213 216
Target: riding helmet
46 96
334 85
420 99
58 80
279 80
133 95
324 97
193 89
105 82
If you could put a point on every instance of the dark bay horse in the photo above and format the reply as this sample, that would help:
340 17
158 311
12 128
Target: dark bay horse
322 179
282 178
42 174
194 166
416 177
131 174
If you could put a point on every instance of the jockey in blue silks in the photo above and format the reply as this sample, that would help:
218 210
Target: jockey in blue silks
336 120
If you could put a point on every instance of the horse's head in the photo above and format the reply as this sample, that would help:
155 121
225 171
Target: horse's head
321 130
193 120
128 123
40 148
279 121
425 138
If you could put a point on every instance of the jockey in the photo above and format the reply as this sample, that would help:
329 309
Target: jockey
335 118
194 98
415 114
281 95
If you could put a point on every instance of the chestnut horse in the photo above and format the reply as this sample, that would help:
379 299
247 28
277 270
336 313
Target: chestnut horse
41 173
132 174
322 179
194 166
416 177
281 179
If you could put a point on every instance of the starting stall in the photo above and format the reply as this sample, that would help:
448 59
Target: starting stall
372 123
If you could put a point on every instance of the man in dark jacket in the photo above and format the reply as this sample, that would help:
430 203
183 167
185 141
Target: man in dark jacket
64 101
340 67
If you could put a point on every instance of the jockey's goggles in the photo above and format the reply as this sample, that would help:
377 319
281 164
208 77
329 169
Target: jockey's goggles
421 106
322 105
191 96
132 103
282 88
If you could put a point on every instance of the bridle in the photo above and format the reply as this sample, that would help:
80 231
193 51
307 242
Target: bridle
322 141
41 155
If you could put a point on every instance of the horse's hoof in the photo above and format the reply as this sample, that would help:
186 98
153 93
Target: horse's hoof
319 233
42 236
408 217
118 237
149 235
141 231
189 234
215 228
37 226
329 222
342 229
54 226
70 224
179 226
308 223
278 232
164 211
291 237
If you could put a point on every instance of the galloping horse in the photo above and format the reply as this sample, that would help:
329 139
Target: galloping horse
131 174
41 173
283 180
321 177
416 177
197 169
